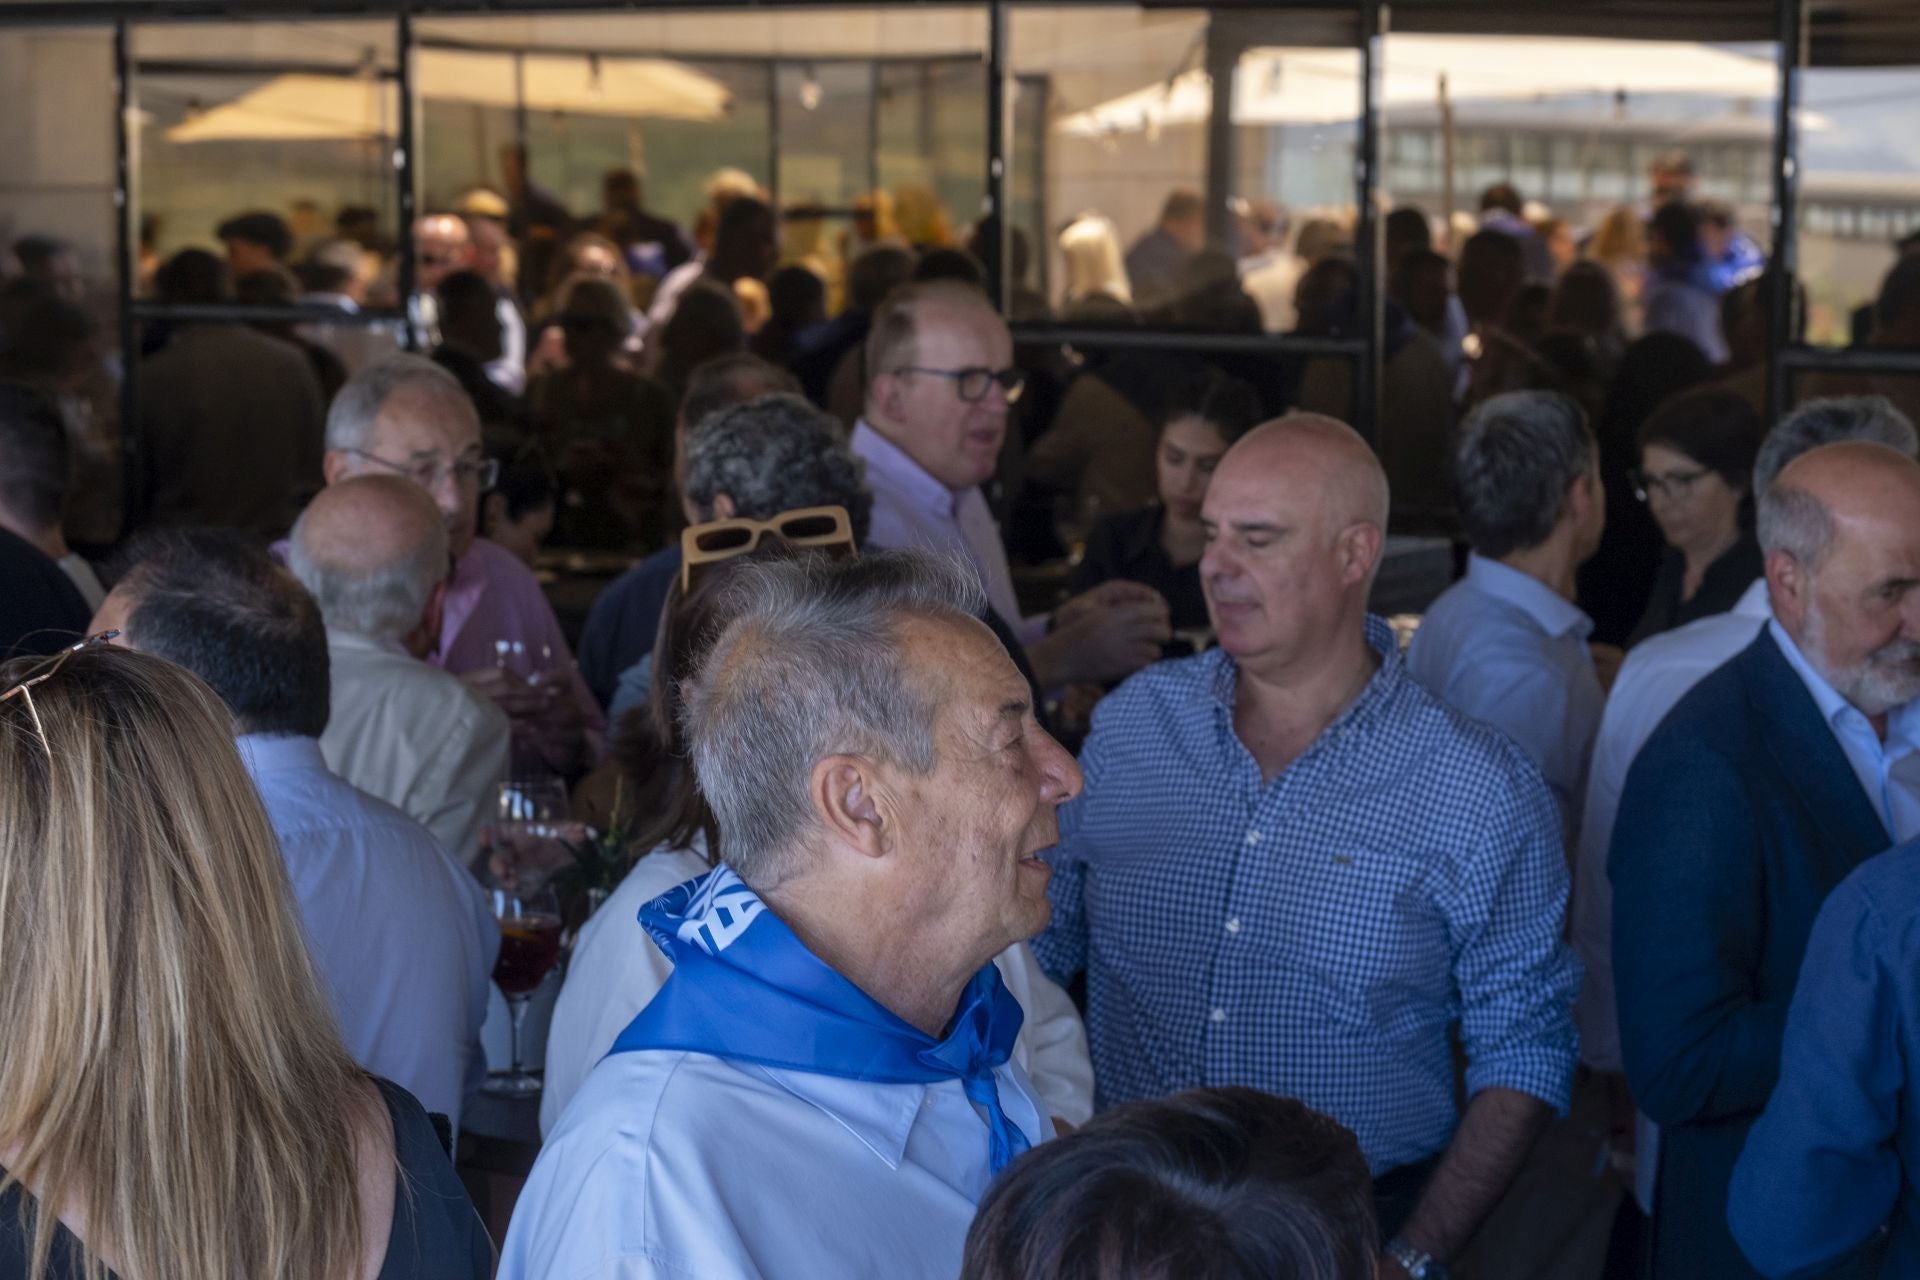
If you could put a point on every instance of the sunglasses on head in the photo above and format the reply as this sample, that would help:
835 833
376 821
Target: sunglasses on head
702 545
45 672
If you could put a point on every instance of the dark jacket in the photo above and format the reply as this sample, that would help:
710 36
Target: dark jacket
1740 815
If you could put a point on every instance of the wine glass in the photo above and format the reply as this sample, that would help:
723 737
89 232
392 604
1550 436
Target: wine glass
529 947
527 839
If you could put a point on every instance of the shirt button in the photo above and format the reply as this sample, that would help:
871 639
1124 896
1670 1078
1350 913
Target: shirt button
1253 837
1218 1015
1233 925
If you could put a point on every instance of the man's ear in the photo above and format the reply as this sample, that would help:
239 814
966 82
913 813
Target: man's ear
1788 586
424 640
336 466
723 508
884 394
493 511
846 800
1359 551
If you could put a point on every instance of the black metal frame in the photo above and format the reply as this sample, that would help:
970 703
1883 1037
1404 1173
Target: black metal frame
1786 357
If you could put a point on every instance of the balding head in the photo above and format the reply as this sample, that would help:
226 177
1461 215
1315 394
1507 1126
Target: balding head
372 550
923 338
1354 484
1840 528
1296 514
405 415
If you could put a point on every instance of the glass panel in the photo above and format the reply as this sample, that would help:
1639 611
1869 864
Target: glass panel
1859 196
826 132
296 120
1142 230
58 226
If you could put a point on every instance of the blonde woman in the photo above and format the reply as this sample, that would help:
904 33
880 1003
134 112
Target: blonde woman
1090 248
175 1101
1620 245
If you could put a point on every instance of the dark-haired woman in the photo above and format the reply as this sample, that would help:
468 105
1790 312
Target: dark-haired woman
1160 545
1696 477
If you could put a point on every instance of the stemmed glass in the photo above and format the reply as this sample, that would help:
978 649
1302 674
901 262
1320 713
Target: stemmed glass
529 947
528 833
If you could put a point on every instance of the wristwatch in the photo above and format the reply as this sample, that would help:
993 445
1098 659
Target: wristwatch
1419 1265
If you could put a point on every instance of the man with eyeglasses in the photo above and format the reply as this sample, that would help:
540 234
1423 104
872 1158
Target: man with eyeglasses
941 382
407 416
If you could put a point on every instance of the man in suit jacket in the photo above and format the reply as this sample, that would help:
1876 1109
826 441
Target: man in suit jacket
1767 785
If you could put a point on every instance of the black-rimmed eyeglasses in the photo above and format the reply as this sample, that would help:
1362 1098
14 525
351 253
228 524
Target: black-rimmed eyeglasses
973 383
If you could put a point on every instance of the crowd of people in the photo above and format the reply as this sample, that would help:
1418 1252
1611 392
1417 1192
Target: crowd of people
1292 966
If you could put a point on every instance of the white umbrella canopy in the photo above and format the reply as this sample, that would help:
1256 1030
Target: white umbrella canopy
297 108
1322 86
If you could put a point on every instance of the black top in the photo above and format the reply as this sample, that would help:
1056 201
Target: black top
436 1234
1721 587
41 611
1127 546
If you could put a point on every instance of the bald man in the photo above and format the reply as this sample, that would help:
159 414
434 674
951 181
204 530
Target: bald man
1294 869
372 551
1760 792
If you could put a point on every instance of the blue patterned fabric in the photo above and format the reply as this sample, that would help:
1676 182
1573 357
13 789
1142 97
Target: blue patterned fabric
1317 935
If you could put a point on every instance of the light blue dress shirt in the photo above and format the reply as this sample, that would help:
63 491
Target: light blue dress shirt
913 509
1506 649
1322 934
401 932
684 1166
1890 770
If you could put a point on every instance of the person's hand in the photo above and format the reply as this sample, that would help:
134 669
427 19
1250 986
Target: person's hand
520 698
1109 594
520 859
1101 646
1606 663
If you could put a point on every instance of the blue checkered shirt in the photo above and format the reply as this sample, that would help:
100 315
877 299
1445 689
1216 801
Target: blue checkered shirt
1318 935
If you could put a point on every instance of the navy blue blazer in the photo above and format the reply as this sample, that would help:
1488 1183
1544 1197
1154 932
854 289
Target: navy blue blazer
1739 816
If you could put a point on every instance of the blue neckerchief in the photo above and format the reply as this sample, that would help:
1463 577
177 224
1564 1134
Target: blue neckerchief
745 988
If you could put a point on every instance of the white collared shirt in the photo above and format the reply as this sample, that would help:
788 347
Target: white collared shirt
681 1166
616 969
1889 771
913 509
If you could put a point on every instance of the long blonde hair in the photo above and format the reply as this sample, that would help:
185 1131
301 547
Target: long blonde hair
171 1076
1090 248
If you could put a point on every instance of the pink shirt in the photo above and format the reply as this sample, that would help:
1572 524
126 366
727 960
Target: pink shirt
494 597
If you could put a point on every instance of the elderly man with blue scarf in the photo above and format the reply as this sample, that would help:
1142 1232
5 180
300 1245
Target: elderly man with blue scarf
823 1086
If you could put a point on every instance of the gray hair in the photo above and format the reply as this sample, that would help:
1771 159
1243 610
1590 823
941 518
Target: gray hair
809 665
775 453
1829 421
1796 522
357 407
384 602
1513 462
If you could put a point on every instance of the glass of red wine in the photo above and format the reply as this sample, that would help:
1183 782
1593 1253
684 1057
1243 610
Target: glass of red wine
529 947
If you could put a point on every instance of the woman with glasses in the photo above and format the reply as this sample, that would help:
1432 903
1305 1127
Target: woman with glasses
1613 586
606 430
174 1096
1696 477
